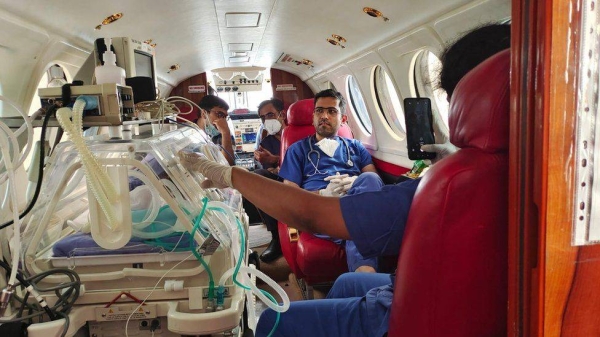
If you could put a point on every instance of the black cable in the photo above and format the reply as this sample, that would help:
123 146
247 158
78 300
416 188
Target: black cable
25 283
66 293
23 304
38 185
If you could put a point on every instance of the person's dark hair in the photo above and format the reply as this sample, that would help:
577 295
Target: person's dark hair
210 101
470 50
333 94
277 104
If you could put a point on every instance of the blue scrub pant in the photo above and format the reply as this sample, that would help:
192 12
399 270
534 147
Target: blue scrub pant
343 313
366 182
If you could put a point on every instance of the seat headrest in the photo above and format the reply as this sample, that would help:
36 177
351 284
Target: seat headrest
480 105
301 112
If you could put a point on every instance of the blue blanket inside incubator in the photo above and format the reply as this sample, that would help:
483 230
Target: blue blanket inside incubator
82 244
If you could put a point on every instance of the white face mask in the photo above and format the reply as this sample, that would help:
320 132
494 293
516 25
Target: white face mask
328 146
272 126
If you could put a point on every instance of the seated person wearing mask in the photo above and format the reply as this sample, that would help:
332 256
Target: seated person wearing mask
214 111
271 114
332 166
358 304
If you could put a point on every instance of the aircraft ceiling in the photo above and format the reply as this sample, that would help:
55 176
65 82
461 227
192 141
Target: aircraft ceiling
197 34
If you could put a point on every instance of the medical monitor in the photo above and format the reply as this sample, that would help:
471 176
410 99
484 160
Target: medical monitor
249 138
136 57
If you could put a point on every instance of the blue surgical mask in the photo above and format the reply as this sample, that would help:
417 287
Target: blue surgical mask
211 130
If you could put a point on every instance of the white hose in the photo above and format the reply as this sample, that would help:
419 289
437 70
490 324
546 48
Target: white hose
12 182
29 125
228 236
218 205
155 199
98 180
246 281
14 145
251 302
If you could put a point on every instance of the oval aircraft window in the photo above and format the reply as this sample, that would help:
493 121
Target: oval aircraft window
427 69
388 100
359 106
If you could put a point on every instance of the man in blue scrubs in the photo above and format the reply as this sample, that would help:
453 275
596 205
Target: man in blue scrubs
358 304
315 162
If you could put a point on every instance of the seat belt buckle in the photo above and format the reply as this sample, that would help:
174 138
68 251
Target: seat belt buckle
293 234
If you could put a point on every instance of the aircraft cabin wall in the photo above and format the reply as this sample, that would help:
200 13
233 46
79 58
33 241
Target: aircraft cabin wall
403 59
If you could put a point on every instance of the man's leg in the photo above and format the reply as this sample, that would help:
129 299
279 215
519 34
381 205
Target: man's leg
357 284
366 182
332 317
273 251
355 259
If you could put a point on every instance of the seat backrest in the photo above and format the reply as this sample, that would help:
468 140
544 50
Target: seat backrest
452 271
300 124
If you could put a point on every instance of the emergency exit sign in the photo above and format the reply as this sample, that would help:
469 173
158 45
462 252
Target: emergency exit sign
192 89
285 87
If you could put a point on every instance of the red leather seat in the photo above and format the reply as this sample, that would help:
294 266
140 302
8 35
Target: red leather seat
310 258
453 271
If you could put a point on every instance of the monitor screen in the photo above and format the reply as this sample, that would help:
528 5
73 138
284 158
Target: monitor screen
143 64
248 138
136 57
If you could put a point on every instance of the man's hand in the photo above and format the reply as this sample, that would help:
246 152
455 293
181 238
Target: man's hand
217 175
334 187
222 126
346 184
265 156
442 147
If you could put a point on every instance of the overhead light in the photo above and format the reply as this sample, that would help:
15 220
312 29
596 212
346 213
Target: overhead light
173 68
112 18
335 43
225 75
109 19
252 74
375 13
239 53
338 38
149 41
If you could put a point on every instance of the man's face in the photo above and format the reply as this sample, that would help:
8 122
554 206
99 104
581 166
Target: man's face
216 113
268 112
327 117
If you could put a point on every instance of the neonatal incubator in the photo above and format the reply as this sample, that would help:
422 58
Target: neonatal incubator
150 251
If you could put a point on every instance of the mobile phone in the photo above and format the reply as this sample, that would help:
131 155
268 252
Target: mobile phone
419 127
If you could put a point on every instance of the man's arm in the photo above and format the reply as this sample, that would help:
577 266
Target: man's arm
226 144
291 183
310 212
369 168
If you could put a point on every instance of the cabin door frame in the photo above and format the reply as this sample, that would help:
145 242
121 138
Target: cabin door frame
553 286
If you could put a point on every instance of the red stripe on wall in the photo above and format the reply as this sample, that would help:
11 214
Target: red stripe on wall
389 168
